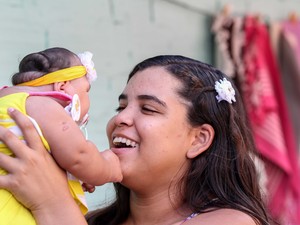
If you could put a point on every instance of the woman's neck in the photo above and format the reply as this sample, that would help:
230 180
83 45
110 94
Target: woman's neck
158 209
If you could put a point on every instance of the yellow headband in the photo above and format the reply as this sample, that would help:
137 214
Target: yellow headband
70 73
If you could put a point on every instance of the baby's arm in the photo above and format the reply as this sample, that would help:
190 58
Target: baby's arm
68 145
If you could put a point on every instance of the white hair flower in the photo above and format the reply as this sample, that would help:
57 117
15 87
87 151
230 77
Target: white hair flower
86 60
225 91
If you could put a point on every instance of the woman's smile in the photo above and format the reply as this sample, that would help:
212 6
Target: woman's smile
122 142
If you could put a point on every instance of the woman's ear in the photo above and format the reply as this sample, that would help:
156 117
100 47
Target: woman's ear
61 86
203 137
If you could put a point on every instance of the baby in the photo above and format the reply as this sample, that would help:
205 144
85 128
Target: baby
52 88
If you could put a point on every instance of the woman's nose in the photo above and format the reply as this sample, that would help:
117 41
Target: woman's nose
124 118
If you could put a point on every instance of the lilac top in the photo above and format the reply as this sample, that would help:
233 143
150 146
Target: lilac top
190 217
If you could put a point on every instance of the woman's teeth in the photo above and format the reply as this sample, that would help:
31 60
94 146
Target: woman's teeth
124 142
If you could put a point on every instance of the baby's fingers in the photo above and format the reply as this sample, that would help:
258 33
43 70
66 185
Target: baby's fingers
88 188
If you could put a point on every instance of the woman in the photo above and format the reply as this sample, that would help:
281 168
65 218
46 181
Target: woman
184 148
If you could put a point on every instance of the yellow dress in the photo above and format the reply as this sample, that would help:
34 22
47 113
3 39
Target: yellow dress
11 211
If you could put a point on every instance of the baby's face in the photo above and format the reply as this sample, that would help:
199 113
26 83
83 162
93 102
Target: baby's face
81 88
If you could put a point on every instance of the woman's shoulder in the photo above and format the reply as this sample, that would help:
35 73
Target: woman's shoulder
222 216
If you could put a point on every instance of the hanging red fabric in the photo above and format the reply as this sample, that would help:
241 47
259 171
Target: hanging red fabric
270 122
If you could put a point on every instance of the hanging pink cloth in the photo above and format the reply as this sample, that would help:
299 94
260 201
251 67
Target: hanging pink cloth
268 115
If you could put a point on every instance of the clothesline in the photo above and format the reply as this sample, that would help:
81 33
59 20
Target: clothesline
191 8
292 16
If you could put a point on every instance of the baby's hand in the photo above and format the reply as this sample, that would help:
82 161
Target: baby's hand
88 187
114 166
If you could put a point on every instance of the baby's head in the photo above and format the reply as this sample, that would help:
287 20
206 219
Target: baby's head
60 68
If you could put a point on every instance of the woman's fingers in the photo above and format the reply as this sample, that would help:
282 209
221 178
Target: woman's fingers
6 163
33 176
29 131
19 149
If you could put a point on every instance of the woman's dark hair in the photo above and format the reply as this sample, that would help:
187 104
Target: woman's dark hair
38 64
224 176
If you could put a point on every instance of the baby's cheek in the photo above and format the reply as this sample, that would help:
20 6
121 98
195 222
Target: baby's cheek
85 106
110 126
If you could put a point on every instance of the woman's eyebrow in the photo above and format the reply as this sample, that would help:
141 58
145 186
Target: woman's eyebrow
152 98
144 97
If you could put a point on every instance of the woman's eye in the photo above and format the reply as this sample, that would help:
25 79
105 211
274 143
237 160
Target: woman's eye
147 109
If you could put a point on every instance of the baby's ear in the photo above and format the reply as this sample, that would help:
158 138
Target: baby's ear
203 137
61 86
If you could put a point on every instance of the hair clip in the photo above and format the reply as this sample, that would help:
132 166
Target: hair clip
225 91
86 60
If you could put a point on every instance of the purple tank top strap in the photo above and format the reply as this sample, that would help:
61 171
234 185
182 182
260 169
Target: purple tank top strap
190 217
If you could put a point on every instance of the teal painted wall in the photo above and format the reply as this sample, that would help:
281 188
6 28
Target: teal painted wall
120 33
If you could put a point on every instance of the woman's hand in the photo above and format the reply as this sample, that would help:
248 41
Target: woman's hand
35 179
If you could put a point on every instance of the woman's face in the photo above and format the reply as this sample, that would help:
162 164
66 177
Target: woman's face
150 133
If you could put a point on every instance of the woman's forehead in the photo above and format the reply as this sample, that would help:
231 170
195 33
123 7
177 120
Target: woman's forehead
154 83
153 78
